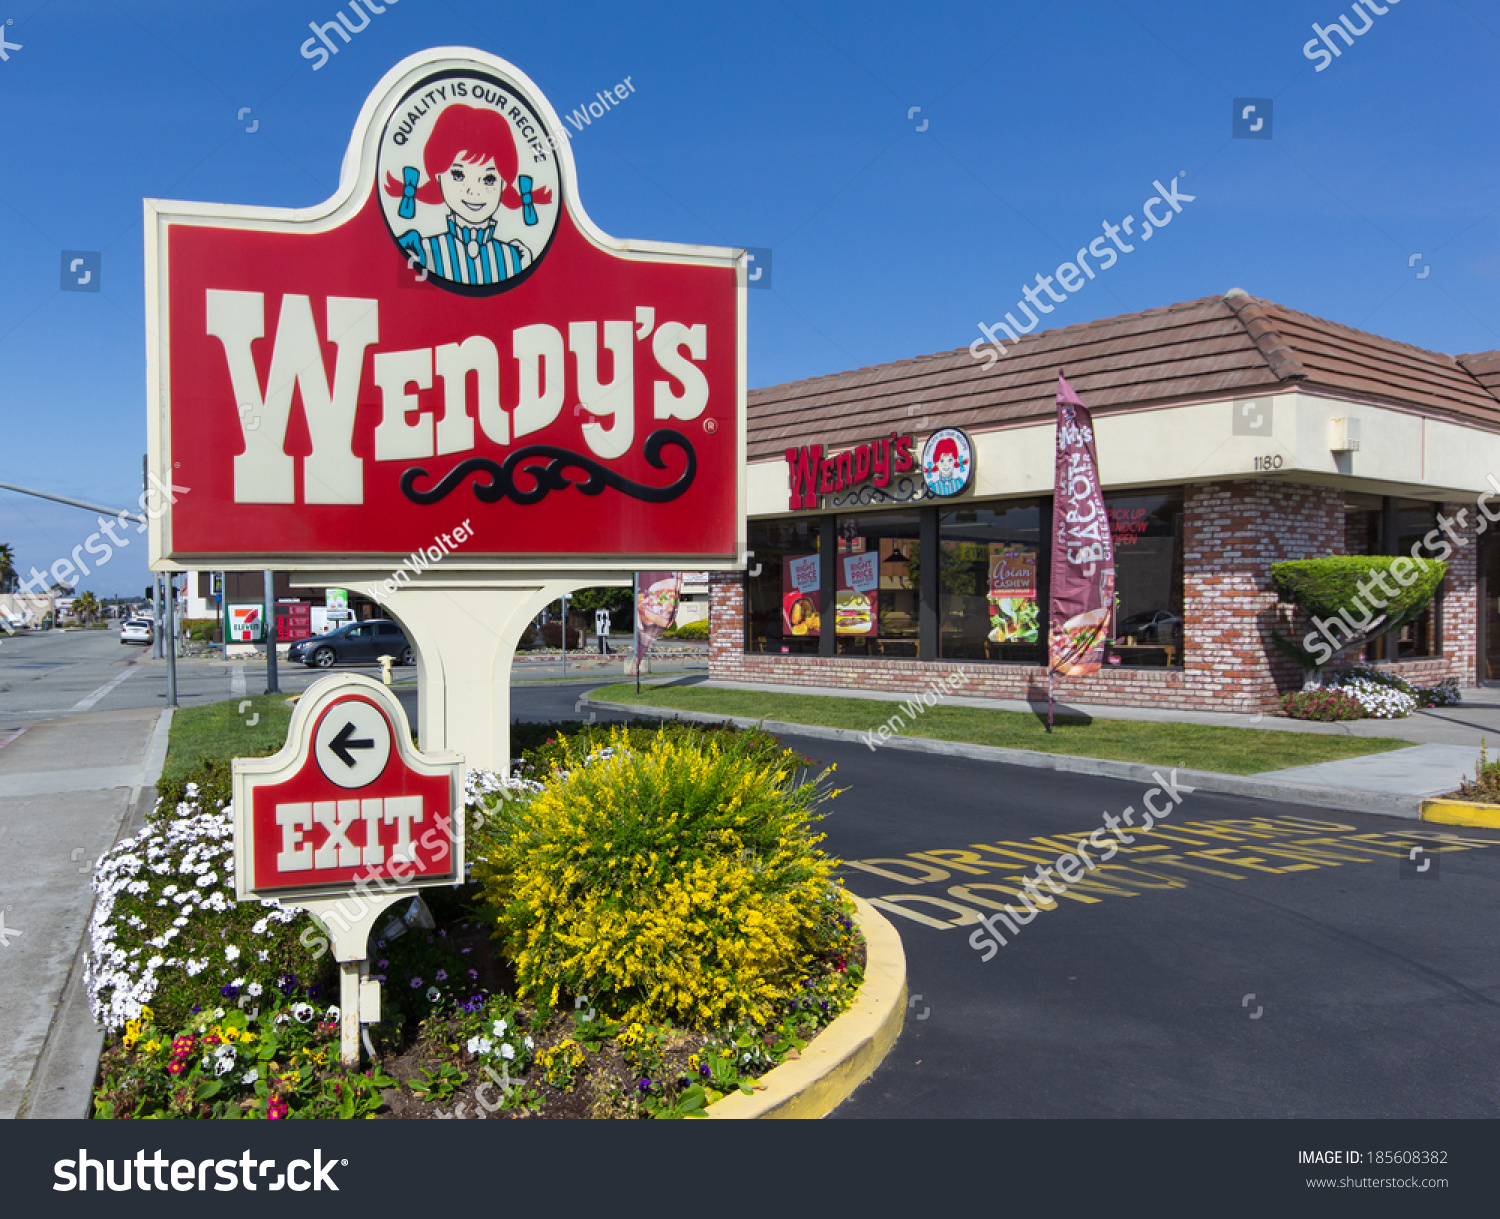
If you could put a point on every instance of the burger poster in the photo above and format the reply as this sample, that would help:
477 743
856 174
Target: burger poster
1012 593
656 597
854 599
1083 555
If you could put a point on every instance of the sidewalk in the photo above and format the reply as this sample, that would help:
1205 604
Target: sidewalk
67 790
1445 747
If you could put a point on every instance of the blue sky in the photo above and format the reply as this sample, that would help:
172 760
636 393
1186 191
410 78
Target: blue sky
773 125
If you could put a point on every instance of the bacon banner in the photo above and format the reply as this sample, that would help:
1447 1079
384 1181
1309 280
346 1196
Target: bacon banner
1083 556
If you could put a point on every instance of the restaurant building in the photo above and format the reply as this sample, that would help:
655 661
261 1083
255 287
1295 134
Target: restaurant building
900 515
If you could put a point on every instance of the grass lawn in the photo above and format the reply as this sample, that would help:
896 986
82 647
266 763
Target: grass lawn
1233 751
222 730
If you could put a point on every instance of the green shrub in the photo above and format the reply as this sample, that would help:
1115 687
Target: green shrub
1329 704
675 880
210 779
543 748
1322 588
199 630
689 630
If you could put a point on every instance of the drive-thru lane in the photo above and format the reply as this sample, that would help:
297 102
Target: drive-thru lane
1292 963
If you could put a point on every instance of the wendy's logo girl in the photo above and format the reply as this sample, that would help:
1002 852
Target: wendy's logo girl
946 462
471 169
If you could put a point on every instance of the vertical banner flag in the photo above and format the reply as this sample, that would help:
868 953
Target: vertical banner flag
1083 555
656 597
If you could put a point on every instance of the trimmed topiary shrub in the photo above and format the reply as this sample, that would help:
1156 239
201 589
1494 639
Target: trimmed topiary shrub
1351 600
678 880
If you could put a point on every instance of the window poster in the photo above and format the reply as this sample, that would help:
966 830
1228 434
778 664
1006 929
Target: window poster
1012 593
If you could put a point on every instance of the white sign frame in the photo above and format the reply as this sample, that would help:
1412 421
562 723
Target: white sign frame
356 181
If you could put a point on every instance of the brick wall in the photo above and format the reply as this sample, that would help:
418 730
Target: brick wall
1460 601
1233 532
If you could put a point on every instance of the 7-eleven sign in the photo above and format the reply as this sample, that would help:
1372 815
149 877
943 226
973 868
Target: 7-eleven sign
245 623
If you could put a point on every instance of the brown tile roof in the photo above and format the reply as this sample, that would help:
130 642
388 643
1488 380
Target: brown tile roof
1218 347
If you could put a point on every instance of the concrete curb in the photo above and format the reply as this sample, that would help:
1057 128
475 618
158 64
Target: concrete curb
1339 799
846 1053
1462 812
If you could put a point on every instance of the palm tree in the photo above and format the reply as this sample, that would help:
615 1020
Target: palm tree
7 568
86 607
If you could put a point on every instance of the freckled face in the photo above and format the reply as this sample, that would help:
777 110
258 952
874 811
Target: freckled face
945 466
472 191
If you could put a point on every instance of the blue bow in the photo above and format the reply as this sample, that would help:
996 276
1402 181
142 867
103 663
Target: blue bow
528 212
409 179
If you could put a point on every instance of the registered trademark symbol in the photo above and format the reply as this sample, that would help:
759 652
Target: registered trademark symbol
710 426
345 1163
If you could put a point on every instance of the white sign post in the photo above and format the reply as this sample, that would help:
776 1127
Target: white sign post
347 818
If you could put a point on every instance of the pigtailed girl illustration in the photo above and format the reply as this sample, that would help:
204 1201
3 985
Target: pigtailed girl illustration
471 165
945 468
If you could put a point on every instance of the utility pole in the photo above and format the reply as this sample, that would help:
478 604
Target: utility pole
171 640
270 634
157 647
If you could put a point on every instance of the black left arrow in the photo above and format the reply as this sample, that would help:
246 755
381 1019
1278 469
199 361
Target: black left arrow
341 744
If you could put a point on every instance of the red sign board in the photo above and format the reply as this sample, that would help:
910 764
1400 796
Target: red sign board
448 339
347 803
293 620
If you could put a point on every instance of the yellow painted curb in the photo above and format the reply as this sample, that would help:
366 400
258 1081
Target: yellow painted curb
846 1053
1462 812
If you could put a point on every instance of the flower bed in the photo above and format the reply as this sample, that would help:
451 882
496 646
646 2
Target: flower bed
220 1009
1368 692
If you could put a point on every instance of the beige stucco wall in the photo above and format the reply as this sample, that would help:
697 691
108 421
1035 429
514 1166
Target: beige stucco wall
1400 453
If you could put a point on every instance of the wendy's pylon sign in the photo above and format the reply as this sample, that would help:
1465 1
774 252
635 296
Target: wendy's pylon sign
449 336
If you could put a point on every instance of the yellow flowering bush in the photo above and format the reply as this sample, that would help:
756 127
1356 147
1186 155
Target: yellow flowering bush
676 880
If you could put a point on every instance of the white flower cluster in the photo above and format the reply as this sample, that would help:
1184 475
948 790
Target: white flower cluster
501 1041
1377 700
193 853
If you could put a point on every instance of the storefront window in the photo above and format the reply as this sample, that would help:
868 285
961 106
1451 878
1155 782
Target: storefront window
988 589
1365 528
1415 519
781 602
878 586
1147 531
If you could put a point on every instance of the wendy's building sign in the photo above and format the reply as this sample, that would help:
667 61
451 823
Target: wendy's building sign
449 336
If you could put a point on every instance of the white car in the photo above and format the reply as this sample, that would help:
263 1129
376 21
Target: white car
136 630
